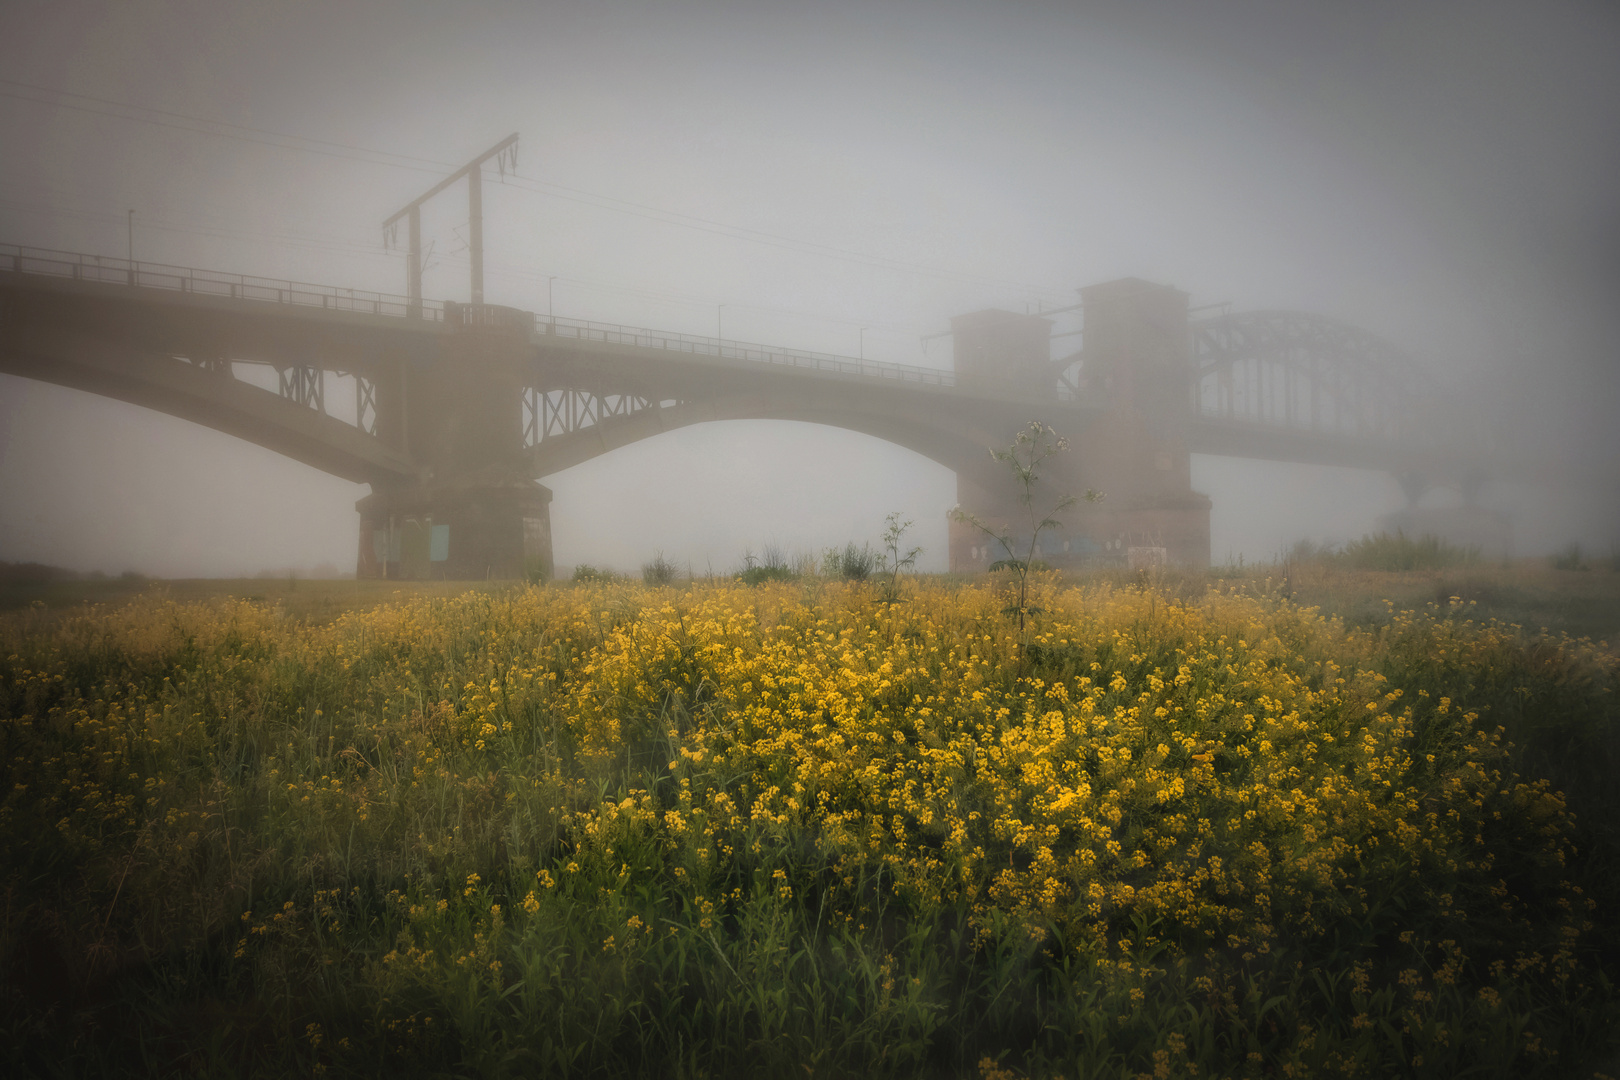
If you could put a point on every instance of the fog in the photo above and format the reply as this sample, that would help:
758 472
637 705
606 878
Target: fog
834 177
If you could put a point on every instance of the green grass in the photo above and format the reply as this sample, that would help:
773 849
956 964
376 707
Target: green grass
1383 551
319 599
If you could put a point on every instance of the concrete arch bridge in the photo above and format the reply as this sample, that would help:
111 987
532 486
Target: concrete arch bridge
453 412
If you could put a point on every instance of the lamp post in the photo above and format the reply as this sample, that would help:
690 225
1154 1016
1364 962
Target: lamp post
864 329
718 335
551 312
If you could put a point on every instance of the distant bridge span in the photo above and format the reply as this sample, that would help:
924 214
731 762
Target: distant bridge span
451 411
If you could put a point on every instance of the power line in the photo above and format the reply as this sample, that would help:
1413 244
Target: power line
326 243
282 140
509 271
757 236
362 249
121 110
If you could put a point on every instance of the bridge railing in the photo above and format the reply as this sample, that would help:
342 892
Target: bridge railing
753 352
186 279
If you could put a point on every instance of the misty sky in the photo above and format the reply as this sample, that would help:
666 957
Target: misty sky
1442 174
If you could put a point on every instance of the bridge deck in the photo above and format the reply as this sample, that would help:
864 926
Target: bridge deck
1213 428
433 314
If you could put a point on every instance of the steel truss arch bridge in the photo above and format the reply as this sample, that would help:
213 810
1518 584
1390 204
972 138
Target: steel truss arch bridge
452 412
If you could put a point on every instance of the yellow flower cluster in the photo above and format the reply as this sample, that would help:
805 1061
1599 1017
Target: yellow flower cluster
1223 769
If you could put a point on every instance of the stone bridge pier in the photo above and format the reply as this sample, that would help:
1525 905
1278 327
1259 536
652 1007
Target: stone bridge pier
1134 359
473 512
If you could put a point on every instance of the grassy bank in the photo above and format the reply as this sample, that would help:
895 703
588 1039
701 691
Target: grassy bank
719 830
1529 592
313 599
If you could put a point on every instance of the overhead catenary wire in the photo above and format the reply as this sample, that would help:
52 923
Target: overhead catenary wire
199 125
375 250
550 189
148 222
757 236
29 92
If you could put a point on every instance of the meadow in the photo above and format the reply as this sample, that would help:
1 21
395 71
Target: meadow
1299 823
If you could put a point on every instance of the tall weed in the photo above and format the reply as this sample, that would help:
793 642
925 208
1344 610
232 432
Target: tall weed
1401 552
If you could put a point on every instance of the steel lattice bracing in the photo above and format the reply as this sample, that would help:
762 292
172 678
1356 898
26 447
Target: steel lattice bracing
550 414
1305 372
365 404
305 385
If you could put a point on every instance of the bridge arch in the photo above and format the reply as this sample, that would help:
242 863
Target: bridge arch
1296 370
958 443
202 389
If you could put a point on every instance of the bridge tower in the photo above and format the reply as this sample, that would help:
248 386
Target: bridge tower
1136 359
1003 352
1137 350
473 512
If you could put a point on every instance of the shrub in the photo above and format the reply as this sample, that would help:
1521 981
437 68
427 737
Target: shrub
758 575
1569 559
587 572
1402 552
1029 451
1017 566
658 572
891 561
849 563
773 567
34 573
1309 550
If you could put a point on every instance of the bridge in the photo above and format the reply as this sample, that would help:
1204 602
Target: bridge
453 412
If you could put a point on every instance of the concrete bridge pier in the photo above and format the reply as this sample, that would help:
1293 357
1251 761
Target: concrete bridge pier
1466 525
1102 532
1136 355
472 514
460 530
1137 351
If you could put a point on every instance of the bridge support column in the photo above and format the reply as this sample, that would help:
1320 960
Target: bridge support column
476 516
1094 533
457 531
1138 351
1136 356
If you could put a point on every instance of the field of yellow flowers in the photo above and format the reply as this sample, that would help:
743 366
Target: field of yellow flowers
798 829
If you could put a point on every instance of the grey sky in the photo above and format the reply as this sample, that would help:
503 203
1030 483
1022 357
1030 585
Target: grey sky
1442 174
